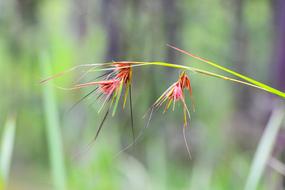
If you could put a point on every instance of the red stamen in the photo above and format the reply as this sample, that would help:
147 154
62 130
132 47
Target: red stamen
108 87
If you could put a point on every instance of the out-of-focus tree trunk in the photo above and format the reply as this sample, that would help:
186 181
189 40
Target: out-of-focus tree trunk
239 49
111 15
278 74
122 39
279 45
79 16
172 27
28 10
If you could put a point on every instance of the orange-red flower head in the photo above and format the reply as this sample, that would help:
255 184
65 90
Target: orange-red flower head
124 71
114 81
175 93
185 82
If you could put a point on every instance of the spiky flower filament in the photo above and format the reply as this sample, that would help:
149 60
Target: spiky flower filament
185 82
112 85
175 93
124 74
108 87
124 71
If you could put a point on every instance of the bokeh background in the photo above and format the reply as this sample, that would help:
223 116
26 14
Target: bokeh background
43 37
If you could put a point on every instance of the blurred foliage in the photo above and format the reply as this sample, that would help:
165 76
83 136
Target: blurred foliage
224 130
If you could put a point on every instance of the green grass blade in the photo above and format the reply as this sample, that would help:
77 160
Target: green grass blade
251 80
264 149
53 129
6 150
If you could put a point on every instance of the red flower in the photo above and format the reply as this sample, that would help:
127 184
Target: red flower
185 82
121 75
173 94
124 70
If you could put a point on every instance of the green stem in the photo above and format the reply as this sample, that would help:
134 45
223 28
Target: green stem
200 71
247 80
251 80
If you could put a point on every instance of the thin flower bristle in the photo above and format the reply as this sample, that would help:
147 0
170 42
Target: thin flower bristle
60 74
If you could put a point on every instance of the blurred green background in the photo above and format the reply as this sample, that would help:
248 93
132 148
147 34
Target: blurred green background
42 37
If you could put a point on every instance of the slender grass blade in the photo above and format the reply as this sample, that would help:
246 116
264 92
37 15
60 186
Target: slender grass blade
53 129
6 150
264 149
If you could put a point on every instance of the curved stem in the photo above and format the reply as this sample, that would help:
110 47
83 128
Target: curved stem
201 71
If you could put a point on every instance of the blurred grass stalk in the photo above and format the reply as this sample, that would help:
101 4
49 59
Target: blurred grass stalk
264 149
6 150
53 128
